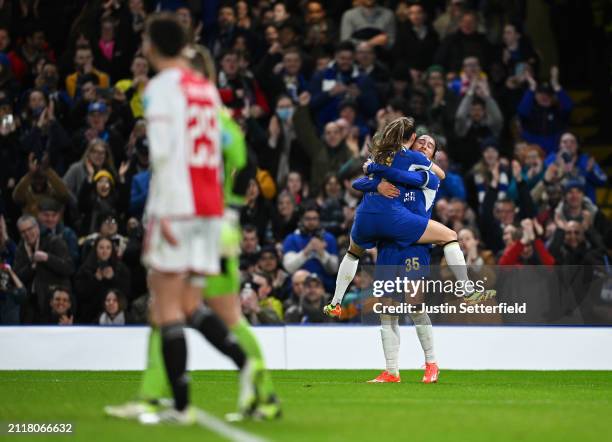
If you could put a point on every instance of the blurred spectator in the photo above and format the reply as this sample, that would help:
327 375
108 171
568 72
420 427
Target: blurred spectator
101 271
570 244
83 63
249 246
533 166
442 102
575 166
257 305
459 215
285 216
368 22
309 307
139 165
471 75
478 117
12 294
544 111
416 41
133 88
576 206
61 306
50 221
342 80
467 41
41 182
448 21
114 309
321 31
107 226
97 156
365 56
244 15
7 245
281 73
102 193
296 188
98 127
283 153
256 210
312 248
240 91
516 52
487 170
270 266
452 186
17 65
41 261
297 288
530 249
326 155
331 204
42 133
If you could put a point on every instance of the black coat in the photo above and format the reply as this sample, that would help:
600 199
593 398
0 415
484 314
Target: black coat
39 278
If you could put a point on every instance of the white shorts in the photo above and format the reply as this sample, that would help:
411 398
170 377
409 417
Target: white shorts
197 251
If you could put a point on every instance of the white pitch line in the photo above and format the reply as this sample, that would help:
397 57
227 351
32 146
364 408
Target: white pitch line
221 428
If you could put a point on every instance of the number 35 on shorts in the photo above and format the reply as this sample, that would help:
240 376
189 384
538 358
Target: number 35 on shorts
412 264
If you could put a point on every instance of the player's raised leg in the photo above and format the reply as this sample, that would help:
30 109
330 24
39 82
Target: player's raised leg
346 273
437 233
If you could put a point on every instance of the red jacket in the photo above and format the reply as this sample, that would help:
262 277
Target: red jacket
512 255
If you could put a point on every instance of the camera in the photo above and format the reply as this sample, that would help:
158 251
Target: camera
567 157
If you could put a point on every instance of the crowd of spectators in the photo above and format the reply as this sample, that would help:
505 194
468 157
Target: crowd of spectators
309 82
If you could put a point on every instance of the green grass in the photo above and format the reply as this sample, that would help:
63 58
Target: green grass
334 406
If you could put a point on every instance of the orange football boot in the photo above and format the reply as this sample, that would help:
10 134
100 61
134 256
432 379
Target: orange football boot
333 310
384 378
431 373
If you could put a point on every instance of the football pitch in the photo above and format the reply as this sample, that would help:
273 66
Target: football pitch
330 405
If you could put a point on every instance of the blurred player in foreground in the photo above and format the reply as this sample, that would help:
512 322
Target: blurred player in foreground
256 398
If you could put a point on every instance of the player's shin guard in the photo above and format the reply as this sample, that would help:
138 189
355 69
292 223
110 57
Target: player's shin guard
346 273
174 349
215 331
154 384
456 262
424 331
389 333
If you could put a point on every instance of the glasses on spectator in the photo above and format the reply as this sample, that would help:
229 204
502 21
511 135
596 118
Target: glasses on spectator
110 221
27 229
311 218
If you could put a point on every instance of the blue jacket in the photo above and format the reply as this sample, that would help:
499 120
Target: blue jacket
452 187
543 126
595 178
296 242
139 192
327 107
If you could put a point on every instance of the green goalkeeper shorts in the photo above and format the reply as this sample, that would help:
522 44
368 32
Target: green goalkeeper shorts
228 281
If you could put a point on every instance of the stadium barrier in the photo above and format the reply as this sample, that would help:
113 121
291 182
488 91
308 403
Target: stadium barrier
310 347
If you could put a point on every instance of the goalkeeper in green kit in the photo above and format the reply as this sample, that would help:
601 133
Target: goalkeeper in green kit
222 324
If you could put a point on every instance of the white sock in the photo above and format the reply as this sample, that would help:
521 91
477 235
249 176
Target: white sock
389 333
424 331
346 273
456 262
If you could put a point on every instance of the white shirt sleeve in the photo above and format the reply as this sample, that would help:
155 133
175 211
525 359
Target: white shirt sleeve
159 103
